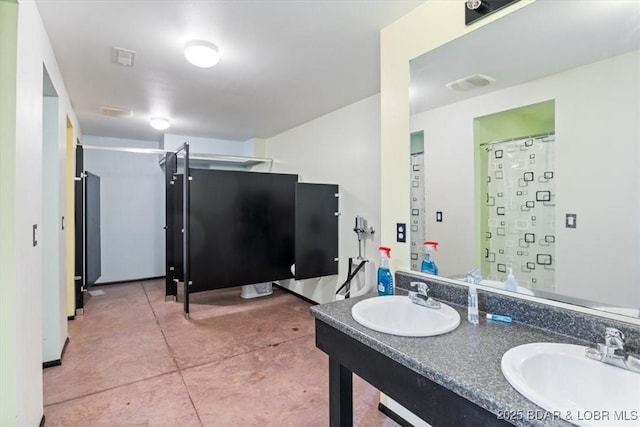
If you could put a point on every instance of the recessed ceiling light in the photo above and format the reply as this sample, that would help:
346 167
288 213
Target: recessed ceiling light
159 123
202 53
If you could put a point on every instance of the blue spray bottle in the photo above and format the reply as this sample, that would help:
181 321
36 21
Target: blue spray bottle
385 279
429 263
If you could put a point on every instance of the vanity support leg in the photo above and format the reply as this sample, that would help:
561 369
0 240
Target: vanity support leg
340 395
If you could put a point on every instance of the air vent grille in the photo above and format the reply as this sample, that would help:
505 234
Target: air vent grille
115 111
475 81
124 57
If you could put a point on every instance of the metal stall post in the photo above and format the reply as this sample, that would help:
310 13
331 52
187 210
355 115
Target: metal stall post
186 222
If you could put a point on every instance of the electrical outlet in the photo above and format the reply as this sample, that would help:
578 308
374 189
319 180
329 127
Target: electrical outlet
401 232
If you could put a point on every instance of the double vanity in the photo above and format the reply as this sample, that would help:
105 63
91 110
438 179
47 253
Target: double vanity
532 372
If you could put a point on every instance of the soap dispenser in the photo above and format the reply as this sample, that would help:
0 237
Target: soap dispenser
472 305
511 284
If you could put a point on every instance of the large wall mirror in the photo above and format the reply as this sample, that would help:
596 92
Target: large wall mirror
526 154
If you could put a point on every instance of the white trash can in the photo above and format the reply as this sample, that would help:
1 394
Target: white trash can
257 290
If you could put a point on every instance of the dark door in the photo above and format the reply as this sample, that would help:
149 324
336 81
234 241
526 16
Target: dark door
171 208
316 230
242 228
174 233
92 228
78 188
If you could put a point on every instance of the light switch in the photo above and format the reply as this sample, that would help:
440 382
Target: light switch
401 232
571 220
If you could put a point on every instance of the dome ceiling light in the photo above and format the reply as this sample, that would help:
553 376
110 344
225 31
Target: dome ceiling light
202 53
159 123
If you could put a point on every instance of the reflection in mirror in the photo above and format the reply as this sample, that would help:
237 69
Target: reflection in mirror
525 154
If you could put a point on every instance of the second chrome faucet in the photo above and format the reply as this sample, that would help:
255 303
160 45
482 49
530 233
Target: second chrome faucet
612 352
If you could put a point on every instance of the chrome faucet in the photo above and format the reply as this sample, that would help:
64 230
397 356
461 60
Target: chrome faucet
473 276
612 352
419 294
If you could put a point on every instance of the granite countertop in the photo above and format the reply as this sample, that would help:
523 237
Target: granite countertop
465 361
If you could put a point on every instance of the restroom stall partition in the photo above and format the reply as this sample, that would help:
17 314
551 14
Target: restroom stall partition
88 266
173 225
245 228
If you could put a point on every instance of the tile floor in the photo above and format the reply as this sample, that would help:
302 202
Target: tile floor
133 360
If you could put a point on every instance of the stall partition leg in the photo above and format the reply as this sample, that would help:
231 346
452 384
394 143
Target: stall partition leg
340 395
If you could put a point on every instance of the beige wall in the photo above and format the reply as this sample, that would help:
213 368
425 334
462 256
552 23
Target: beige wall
70 227
8 332
427 27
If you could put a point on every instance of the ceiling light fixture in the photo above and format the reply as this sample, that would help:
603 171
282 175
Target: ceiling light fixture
159 123
202 53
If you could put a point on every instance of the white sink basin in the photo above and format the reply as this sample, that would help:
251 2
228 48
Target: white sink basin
562 380
397 315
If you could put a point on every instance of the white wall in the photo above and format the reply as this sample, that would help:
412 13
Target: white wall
54 290
132 209
33 50
596 161
342 147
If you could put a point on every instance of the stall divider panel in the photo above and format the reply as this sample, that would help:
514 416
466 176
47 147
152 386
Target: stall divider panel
242 228
78 190
93 264
316 230
170 169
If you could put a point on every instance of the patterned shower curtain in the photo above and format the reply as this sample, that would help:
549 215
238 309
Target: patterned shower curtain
520 212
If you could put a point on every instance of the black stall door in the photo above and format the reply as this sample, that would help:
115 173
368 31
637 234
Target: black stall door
242 228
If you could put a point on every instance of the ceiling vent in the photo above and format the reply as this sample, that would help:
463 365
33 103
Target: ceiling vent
475 81
124 57
115 111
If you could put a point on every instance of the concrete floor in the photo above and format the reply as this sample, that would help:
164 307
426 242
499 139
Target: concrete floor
133 359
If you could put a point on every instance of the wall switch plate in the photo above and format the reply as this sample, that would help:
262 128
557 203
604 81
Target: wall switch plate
439 216
401 232
571 220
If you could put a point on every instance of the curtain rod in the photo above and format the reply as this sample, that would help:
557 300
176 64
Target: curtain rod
194 156
537 136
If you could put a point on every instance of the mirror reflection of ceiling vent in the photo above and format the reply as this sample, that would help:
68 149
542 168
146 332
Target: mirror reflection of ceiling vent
115 111
124 57
475 81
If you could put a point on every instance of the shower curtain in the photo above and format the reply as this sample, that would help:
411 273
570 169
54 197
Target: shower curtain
519 209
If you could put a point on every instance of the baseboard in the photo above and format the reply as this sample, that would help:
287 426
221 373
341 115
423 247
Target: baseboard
42 421
395 417
312 302
57 362
118 282
51 363
64 349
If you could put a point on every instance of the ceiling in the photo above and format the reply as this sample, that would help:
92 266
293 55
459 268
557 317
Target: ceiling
282 64
541 39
